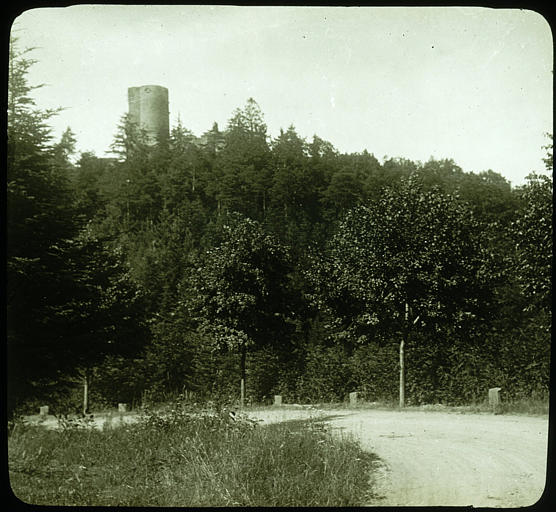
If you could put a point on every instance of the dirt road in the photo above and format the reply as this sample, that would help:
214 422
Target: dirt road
444 458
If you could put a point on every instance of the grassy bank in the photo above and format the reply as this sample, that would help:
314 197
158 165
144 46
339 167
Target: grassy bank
526 406
178 459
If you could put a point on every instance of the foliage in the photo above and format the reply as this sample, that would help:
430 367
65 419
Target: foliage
240 296
197 261
241 168
326 377
533 235
374 371
69 298
412 247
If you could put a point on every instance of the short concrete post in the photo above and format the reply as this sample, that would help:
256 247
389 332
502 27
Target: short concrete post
122 408
494 399
44 411
353 398
277 399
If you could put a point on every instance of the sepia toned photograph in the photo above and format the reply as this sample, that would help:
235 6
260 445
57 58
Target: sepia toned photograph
276 256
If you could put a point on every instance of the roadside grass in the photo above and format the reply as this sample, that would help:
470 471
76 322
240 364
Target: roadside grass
185 459
525 406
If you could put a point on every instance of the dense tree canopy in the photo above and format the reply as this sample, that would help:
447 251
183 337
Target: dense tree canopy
533 235
193 262
410 247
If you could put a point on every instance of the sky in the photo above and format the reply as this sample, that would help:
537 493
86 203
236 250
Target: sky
467 83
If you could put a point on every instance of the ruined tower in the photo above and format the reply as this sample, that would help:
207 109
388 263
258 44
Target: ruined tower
148 108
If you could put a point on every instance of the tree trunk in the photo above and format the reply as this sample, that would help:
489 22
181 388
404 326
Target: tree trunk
402 356
264 204
242 384
402 374
86 386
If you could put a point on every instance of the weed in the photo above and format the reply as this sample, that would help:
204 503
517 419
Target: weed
186 456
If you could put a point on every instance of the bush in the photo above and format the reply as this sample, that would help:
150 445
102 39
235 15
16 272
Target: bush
327 375
375 371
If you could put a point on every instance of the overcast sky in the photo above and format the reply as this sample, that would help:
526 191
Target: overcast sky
471 84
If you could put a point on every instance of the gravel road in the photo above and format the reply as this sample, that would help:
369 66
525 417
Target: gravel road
432 458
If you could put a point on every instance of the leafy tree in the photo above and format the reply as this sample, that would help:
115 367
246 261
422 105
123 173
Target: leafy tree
533 233
533 236
160 254
367 172
394 169
239 295
323 150
410 262
344 191
491 197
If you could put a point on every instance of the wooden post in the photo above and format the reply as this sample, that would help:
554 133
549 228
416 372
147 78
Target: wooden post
242 383
402 358
86 392
402 375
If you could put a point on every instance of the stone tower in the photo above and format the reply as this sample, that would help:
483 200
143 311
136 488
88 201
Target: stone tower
148 108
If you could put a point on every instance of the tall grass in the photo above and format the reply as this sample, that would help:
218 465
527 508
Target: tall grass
181 459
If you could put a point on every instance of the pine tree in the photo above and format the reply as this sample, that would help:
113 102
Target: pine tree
68 297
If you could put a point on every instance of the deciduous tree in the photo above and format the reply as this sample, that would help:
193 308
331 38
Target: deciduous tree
240 294
409 262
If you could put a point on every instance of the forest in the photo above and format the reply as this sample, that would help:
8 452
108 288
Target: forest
280 262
